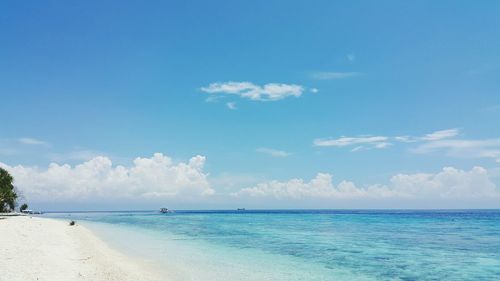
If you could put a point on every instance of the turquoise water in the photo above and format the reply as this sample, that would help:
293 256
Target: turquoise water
309 245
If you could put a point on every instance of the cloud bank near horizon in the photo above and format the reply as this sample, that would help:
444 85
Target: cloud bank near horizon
98 178
450 183
158 177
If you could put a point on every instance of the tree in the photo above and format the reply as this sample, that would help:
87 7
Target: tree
8 195
23 207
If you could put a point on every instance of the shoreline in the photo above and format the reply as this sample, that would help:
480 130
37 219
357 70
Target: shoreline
34 248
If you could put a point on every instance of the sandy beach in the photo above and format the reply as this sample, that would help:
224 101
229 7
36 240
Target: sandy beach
33 248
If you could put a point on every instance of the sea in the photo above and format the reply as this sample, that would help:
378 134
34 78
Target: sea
293 245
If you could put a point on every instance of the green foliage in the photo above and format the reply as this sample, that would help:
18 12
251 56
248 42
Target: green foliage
23 207
8 195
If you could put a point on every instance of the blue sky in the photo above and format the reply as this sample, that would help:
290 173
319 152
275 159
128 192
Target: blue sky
127 79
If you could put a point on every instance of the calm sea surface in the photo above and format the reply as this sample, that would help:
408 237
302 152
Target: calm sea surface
308 245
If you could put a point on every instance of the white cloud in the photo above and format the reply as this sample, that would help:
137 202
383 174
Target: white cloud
155 177
442 140
383 144
334 75
320 186
450 183
273 152
405 139
314 90
371 141
31 141
368 142
488 148
248 90
439 135
436 135
231 105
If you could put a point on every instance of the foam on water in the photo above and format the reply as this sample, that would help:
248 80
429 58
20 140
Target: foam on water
310 245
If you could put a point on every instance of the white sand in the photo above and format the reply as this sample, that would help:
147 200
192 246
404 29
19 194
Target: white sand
33 248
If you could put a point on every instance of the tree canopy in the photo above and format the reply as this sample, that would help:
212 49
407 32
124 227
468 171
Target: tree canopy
23 207
8 195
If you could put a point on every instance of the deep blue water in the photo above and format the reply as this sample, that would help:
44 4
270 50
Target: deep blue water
315 244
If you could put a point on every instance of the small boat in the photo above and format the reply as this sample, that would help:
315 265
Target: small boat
240 209
165 211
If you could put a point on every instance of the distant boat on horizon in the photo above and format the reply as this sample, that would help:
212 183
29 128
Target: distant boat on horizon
240 209
165 210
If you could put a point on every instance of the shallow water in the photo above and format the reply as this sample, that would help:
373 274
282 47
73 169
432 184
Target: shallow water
309 245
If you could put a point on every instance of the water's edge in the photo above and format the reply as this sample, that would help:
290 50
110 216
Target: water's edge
308 244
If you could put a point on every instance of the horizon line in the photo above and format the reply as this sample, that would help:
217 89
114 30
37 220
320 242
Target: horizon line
285 209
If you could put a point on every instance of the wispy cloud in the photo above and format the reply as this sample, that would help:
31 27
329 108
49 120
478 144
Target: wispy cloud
231 105
248 90
334 75
15 146
373 141
437 135
273 152
443 140
487 148
31 141
369 142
